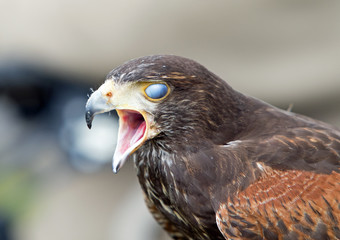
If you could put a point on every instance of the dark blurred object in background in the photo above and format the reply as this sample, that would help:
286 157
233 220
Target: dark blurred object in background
5 228
29 89
52 104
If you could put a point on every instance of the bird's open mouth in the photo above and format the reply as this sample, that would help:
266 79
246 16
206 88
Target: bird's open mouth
132 133
132 128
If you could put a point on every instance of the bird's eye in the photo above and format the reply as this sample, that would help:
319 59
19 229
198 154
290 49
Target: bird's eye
157 91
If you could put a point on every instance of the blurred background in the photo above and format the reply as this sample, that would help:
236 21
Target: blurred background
55 174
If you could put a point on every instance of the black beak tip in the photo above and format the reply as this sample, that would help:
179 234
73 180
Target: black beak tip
89 119
116 169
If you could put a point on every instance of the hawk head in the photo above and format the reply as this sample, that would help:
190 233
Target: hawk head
166 98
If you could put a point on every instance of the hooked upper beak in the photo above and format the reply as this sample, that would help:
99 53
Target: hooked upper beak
95 105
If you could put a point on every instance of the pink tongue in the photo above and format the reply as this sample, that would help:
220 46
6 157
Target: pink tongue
131 136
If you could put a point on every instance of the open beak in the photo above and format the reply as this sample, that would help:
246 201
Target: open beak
133 125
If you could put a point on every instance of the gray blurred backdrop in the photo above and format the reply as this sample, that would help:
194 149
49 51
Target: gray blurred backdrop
55 174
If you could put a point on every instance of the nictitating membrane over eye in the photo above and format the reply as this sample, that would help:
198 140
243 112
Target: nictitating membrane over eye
156 91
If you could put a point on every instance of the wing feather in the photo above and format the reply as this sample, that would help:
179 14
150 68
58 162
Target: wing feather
297 194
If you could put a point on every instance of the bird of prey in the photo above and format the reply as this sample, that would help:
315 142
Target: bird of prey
214 163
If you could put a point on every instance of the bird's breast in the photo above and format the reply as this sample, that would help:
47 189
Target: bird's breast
172 197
